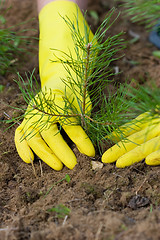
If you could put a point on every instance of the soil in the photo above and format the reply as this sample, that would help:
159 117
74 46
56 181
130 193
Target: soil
106 203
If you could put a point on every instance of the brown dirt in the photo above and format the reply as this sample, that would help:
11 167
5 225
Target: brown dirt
109 203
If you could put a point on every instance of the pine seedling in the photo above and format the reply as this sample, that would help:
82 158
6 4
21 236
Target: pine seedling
146 12
93 73
92 68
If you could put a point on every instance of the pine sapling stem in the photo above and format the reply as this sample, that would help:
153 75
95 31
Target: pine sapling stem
86 80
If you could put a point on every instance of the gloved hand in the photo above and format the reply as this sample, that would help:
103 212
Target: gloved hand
48 144
141 140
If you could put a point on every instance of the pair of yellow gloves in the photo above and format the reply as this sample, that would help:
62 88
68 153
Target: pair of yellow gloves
48 144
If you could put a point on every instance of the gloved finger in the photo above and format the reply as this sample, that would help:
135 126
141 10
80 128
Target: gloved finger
56 142
153 158
41 149
113 153
22 146
142 121
80 138
138 153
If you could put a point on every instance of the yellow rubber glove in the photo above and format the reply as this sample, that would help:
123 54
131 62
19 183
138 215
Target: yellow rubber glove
48 144
142 140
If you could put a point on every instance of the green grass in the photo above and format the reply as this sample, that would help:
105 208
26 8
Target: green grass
60 210
66 178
